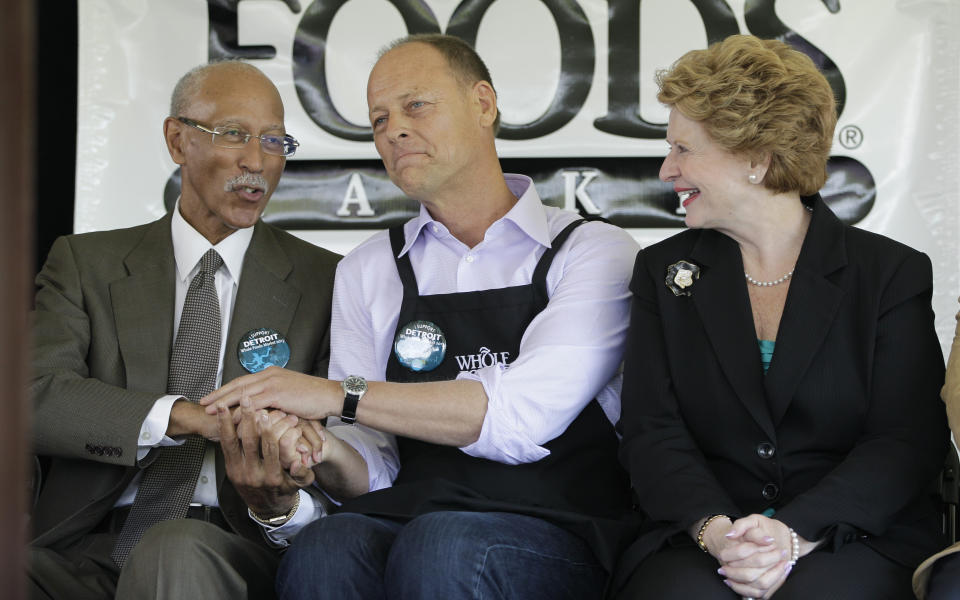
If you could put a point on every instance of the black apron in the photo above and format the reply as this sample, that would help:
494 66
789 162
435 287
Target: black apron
579 486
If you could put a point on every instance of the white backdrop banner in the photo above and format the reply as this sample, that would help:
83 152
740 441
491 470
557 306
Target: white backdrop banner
576 93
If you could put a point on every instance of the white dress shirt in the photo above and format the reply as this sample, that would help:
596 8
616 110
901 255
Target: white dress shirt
189 246
570 353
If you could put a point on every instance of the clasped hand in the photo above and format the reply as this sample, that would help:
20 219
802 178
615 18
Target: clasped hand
754 554
292 392
269 455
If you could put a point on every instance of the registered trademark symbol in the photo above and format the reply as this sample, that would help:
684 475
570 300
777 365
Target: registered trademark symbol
851 137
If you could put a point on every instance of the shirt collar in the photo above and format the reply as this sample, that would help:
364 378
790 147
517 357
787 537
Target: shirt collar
527 214
189 246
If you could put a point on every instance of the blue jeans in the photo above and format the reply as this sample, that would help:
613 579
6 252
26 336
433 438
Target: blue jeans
449 555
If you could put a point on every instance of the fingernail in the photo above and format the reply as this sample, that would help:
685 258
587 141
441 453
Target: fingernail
303 449
721 572
730 534
317 456
727 583
783 554
788 569
768 539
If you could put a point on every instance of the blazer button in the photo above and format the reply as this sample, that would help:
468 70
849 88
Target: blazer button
98 450
770 491
766 450
89 448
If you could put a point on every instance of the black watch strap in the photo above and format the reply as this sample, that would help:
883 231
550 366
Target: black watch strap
349 413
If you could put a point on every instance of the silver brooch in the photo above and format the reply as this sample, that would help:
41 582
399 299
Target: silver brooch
681 276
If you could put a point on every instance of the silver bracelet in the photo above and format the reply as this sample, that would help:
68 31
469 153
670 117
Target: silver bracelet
794 547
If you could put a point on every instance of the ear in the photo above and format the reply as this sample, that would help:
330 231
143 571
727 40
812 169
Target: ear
176 140
486 100
759 164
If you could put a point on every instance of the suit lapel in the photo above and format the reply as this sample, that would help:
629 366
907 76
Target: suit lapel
143 309
811 307
720 297
264 298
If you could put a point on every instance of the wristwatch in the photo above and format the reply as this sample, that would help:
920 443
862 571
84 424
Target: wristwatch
354 387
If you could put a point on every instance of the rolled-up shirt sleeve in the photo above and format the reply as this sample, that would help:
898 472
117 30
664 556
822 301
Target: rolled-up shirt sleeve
378 450
569 354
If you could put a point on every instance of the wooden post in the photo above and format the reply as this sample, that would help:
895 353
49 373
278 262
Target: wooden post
17 122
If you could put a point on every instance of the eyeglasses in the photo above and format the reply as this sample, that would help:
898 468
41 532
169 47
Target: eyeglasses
234 137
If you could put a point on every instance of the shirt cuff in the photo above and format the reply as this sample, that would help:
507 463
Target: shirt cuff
153 432
500 439
309 510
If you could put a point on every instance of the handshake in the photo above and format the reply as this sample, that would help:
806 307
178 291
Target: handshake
268 454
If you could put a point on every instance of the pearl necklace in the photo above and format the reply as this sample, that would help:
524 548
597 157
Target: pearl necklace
753 281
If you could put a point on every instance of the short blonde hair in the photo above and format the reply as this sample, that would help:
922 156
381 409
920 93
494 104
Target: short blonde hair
756 97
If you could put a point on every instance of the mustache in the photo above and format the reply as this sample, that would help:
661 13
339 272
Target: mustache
247 180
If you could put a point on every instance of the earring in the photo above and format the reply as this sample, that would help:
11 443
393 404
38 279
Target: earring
752 178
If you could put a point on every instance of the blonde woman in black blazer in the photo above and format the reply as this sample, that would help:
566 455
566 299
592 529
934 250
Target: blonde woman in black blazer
781 414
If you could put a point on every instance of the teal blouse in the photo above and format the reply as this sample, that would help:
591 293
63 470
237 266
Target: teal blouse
766 355
766 352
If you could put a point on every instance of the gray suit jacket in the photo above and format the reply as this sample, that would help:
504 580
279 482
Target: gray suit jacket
103 330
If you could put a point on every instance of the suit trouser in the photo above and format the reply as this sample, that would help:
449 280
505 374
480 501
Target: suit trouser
184 558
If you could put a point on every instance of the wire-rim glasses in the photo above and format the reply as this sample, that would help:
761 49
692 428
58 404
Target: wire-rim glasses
234 137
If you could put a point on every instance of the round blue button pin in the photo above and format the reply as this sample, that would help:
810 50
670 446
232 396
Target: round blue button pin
420 346
262 348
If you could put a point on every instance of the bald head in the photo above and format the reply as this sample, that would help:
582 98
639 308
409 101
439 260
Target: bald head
210 75
461 58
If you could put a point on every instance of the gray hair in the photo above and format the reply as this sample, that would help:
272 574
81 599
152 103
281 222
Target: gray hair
188 85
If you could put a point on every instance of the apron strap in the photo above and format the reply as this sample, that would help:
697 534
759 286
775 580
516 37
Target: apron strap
403 262
540 273
408 278
411 290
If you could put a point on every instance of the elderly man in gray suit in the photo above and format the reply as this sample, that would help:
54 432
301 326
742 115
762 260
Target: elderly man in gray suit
132 326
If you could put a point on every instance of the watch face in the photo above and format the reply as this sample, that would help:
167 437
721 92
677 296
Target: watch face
354 385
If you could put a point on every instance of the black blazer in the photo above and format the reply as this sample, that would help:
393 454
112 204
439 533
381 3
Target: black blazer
843 437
